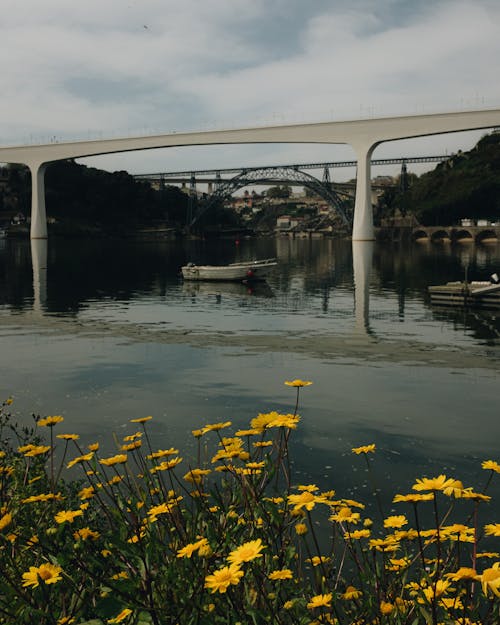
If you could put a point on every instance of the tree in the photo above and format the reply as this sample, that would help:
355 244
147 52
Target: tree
280 191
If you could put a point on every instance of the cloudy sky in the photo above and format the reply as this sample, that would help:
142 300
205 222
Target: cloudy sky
106 68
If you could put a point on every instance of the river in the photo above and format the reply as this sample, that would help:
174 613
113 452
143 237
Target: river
105 331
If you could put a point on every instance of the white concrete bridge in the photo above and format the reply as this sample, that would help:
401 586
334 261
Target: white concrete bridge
363 135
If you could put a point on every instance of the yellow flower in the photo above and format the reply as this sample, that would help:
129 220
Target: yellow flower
395 521
306 500
223 578
490 579
67 515
364 449
300 529
131 446
84 533
197 433
163 508
320 600
468 493
188 550
413 497
215 427
9 401
492 529
396 564
351 593
317 560
491 465
118 459
288 605
34 450
93 447
281 574
65 620
298 383
141 420
439 588
48 573
5 520
357 534
345 515
132 437
120 617
386 545
289 421
435 483
161 453
251 432
462 573
195 476
260 422
87 493
386 607
42 497
50 421
84 458
68 437
166 465
247 552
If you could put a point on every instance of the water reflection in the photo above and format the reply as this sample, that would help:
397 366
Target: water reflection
39 265
317 284
118 335
362 259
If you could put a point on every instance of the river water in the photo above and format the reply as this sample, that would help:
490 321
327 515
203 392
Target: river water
106 331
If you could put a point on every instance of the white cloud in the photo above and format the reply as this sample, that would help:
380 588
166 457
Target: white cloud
116 67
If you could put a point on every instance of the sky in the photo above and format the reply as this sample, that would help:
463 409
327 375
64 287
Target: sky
111 68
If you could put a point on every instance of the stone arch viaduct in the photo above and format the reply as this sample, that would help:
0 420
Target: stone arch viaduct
363 135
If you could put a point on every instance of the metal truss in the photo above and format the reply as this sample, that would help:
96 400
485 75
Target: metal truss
274 175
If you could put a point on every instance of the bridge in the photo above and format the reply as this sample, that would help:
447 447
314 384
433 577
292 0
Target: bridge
363 135
220 187
474 234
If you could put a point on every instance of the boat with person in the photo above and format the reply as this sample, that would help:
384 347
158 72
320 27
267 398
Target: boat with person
243 271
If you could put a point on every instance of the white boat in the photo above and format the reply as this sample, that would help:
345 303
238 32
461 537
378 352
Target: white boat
246 271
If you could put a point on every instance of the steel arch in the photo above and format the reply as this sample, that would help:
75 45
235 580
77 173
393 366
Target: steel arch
274 175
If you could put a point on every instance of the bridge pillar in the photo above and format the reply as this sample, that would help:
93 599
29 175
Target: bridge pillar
362 229
38 228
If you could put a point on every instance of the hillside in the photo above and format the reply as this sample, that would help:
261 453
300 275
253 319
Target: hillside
466 185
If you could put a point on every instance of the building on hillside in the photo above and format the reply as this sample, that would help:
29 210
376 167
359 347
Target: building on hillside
286 222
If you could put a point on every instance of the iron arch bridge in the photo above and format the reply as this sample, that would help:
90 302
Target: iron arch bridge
265 175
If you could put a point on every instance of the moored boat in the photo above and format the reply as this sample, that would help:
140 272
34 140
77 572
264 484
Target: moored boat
477 294
246 271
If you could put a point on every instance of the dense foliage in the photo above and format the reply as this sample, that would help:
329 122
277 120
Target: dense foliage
79 197
145 537
467 185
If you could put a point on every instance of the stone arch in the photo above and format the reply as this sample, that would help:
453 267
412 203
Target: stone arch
462 234
486 234
440 234
420 234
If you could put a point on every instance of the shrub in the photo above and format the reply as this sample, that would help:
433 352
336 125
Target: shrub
146 537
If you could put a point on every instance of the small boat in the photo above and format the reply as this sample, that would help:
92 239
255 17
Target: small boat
476 294
246 271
